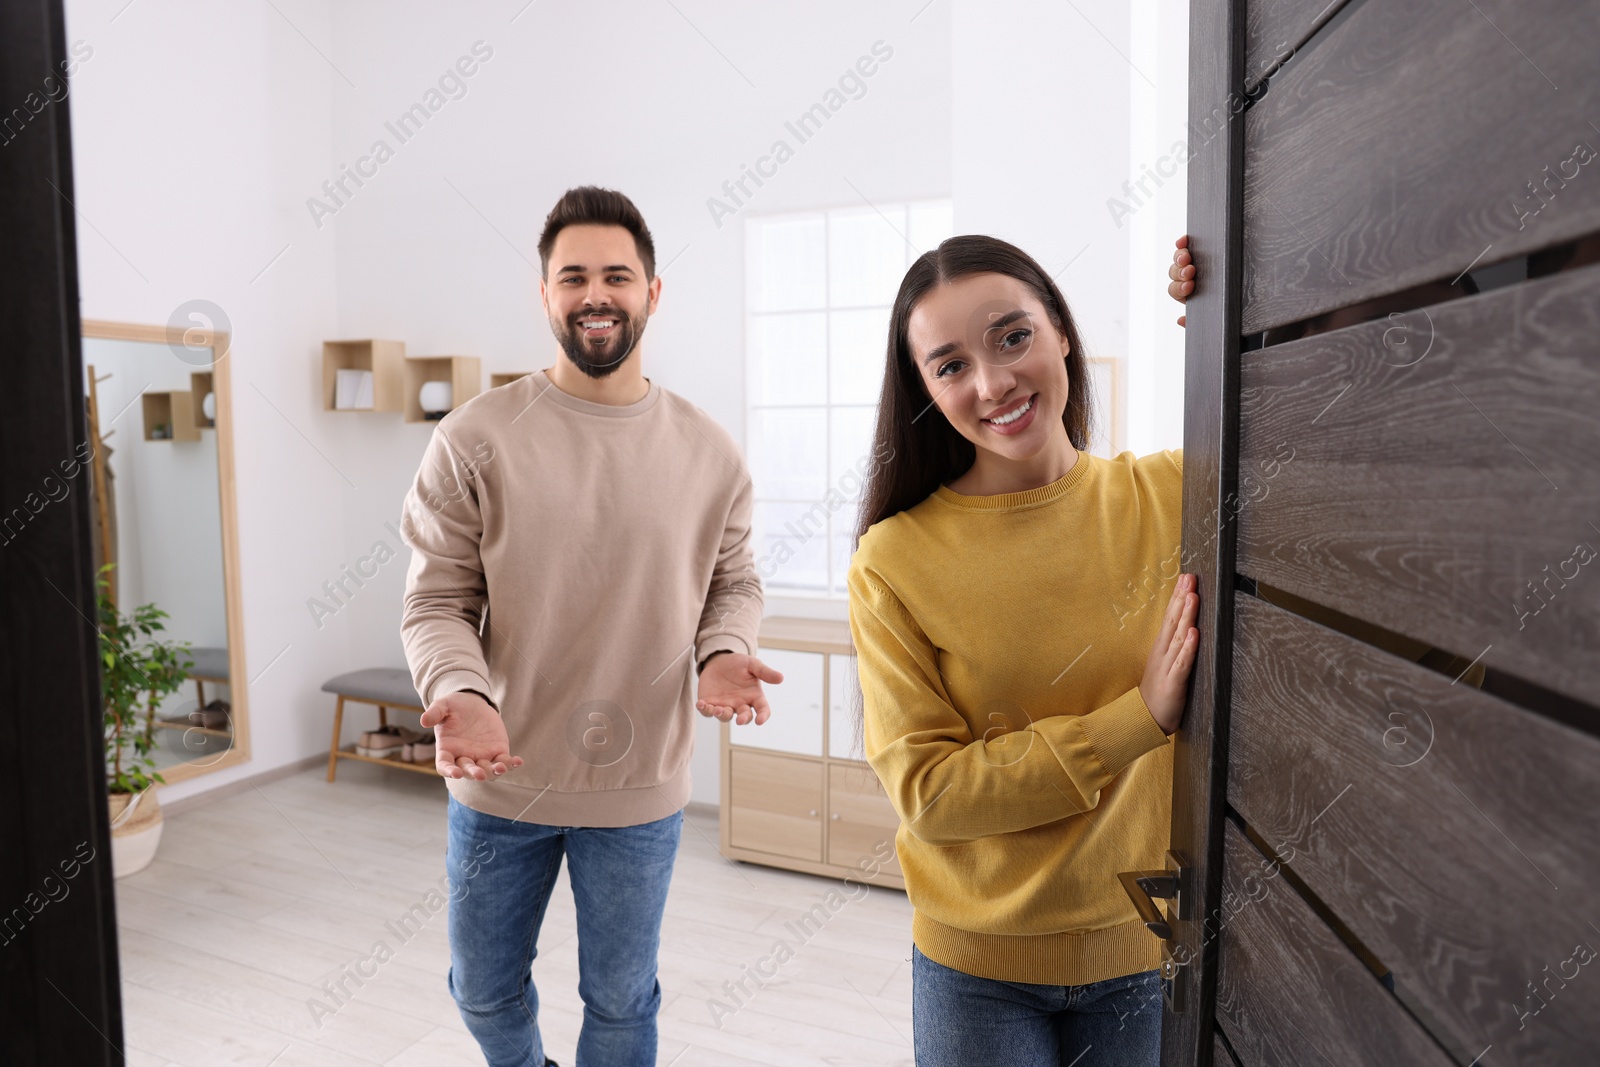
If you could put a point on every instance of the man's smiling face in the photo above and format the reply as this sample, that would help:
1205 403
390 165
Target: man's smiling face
597 297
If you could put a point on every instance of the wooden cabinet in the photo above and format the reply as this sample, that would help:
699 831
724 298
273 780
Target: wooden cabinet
795 793
861 821
776 805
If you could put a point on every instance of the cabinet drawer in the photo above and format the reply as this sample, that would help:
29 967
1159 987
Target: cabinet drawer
861 821
775 804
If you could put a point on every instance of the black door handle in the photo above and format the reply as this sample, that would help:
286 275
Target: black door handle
1142 888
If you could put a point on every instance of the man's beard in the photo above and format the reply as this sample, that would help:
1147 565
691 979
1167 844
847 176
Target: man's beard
599 361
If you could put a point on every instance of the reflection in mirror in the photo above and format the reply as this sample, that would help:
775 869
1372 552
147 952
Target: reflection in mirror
156 519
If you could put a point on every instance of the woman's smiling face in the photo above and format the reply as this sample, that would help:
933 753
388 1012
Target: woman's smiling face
993 362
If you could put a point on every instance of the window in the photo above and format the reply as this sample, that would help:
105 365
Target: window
819 289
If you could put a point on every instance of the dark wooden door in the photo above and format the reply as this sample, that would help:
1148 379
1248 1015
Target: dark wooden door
1388 779
59 999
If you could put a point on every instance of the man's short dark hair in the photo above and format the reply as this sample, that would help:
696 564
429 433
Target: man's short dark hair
593 206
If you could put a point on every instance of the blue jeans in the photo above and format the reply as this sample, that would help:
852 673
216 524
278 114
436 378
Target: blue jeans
958 1019
501 874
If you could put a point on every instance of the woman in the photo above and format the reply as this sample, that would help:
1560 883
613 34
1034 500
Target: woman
1020 673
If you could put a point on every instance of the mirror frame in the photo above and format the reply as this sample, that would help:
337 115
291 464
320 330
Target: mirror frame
222 385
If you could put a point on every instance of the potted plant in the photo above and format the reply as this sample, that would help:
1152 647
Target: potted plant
137 669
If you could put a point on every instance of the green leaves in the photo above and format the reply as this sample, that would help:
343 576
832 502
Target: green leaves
137 669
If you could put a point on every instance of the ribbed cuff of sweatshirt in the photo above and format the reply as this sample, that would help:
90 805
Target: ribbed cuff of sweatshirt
1122 731
457 681
720 643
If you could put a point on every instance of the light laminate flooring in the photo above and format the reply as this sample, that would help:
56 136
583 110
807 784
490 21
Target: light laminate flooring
256 899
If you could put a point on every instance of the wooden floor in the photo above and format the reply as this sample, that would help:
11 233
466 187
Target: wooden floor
255 900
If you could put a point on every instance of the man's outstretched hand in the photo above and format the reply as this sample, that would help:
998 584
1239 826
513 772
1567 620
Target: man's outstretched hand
471 737
730 688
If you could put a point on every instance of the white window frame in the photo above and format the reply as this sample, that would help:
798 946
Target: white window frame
841 521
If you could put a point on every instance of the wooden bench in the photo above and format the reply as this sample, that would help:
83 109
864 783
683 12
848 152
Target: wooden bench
385 687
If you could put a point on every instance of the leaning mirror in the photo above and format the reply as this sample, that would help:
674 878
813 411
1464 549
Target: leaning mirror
159 458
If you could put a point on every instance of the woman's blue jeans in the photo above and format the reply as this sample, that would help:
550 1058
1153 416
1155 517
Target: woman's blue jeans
958 1019
501 875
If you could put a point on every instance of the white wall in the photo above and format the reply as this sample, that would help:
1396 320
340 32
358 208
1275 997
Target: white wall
1041 135
1056 107
1158 91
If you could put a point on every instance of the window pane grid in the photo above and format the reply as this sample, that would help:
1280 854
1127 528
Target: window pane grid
853 259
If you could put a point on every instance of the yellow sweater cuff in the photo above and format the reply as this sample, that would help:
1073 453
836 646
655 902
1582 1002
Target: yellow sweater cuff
1122 731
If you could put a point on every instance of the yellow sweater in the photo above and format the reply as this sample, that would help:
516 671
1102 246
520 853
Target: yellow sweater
1000 641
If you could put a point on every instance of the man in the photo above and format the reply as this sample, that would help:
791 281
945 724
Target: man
581 540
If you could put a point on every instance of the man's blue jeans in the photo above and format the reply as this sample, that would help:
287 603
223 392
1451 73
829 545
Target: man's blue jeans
957 1018
501 875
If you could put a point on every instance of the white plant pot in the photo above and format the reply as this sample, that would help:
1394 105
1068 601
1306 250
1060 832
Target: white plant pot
136 824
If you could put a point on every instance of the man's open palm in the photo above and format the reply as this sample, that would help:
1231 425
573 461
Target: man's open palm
471 737
730 688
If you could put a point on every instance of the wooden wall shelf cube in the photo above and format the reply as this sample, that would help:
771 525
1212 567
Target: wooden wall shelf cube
200 384
464 373
497 380
386 361
175 410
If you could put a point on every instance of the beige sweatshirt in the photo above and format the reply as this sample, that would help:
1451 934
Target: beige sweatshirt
573 562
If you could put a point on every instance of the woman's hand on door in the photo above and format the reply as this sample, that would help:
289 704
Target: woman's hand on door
1166 674
1182 274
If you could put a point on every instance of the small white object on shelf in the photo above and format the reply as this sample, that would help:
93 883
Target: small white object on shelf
434 397
209 406
353 390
